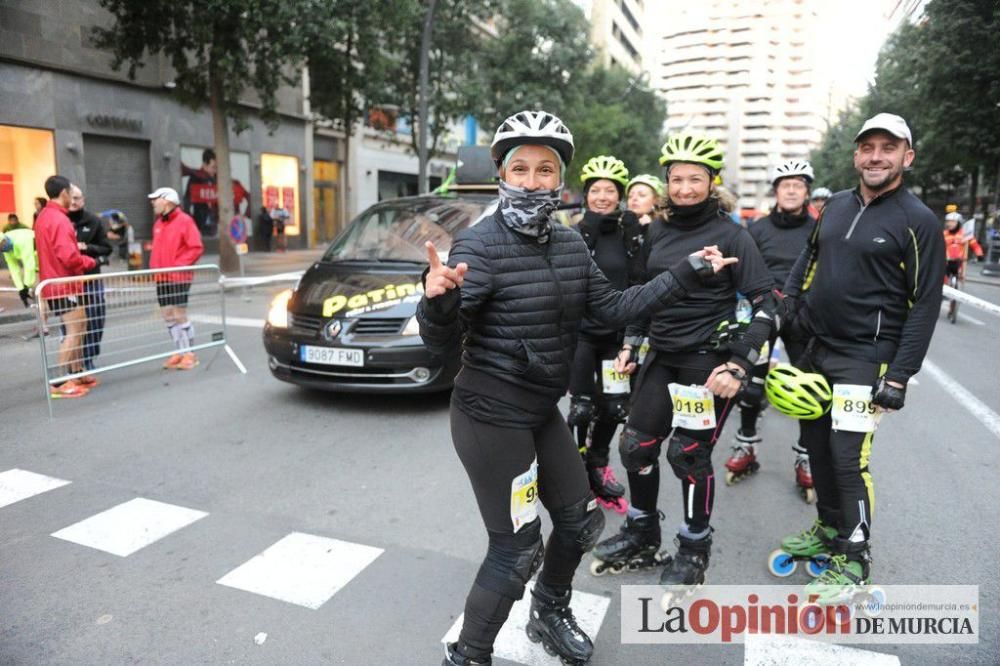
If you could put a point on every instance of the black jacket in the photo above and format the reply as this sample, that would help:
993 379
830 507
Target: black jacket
90 230
689 326
518 314
615 244
780 238
870 279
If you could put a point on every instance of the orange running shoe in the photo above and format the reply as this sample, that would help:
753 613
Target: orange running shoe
173 362
88 382
70 389
188 362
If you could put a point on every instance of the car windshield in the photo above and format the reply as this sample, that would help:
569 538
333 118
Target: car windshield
397 231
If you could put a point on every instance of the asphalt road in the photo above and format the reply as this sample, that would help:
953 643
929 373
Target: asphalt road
262 460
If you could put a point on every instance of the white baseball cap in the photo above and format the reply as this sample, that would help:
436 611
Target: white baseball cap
168 193
889 122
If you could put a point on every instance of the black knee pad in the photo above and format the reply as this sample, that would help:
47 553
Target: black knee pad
614 409
576 528
689 457
638 449
753 393
581 411
511 560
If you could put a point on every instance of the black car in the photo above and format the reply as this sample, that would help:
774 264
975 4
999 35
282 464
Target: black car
349 324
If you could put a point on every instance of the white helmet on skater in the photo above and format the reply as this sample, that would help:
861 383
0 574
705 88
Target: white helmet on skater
536 127
792 168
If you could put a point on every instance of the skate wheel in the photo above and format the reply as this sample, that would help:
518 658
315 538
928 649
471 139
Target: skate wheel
817 565
808 494
667 601
875 603
781 564
548 649
621 506
533 635
597 568
812 616
731 478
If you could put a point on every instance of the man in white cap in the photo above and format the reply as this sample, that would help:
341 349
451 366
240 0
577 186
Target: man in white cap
176 242
864 297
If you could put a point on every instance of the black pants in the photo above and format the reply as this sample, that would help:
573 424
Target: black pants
586 380
652 413
845 494
750 403
94 304
493 457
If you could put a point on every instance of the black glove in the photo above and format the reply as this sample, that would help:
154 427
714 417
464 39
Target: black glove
886 396
25 296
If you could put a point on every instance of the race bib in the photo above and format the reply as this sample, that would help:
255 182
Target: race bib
694 407
524 497
765 354
853 410
643 350
614 382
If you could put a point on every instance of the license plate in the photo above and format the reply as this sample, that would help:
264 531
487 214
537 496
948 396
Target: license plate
332 356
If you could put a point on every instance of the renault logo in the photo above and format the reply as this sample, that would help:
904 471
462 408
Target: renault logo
333 329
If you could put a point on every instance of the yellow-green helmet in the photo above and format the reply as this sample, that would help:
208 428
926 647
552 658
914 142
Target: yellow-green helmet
607 167
646 179
798 394
694 148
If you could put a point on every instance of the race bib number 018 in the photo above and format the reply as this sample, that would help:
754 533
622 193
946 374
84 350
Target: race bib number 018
694 407
614 382
524 497
853 410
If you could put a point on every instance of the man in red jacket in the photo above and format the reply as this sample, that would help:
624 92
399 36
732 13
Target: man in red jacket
59 257
176 242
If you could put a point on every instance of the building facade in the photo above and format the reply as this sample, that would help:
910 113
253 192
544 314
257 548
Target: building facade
618 32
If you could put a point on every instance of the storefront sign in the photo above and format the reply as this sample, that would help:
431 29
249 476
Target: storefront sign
107 121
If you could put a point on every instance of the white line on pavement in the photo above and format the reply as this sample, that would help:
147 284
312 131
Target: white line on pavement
513 644
781 650
302 569
962 396
19 484
962 315
230 321
128 527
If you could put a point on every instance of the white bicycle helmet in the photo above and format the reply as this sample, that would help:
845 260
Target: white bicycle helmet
538 127
954 216
821 193
792 168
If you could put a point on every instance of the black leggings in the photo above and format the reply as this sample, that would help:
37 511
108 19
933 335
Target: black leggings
751 400
845 494
610 409
652 415
493 457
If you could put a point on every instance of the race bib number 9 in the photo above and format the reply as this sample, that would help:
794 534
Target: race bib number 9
524 497
694 407
614 382
853 410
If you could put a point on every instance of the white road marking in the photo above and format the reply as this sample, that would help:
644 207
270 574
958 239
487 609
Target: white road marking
128 527
230 321
302 569
513 644
780 650
19 484
962 396
962 315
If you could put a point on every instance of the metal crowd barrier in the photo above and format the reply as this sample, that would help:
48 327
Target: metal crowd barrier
123 319
963 297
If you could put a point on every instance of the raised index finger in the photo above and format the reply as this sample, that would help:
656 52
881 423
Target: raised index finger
432 256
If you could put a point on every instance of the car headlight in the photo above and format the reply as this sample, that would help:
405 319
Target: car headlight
277 315
412 327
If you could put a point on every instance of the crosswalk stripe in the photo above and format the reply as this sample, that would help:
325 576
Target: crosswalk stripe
782 650
513 644
18 484
129 527
302 569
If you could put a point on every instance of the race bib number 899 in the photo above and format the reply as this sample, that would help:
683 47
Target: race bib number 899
853 410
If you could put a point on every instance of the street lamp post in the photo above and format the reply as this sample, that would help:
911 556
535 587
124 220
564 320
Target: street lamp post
425 47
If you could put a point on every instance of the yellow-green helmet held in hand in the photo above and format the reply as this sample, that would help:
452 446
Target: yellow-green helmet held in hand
607 167
798 394
693 148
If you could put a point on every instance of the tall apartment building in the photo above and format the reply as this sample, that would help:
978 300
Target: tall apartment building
618 32
748 73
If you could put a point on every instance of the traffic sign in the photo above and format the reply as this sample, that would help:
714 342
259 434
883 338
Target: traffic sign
238 229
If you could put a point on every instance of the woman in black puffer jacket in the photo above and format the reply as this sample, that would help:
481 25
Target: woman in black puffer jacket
511 299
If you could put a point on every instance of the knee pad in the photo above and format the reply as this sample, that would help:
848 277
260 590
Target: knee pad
581 411
511 560
576 528
638 449
689 457
753 393
614 409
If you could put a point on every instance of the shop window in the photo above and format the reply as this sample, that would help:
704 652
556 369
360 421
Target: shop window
279 178
27 158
